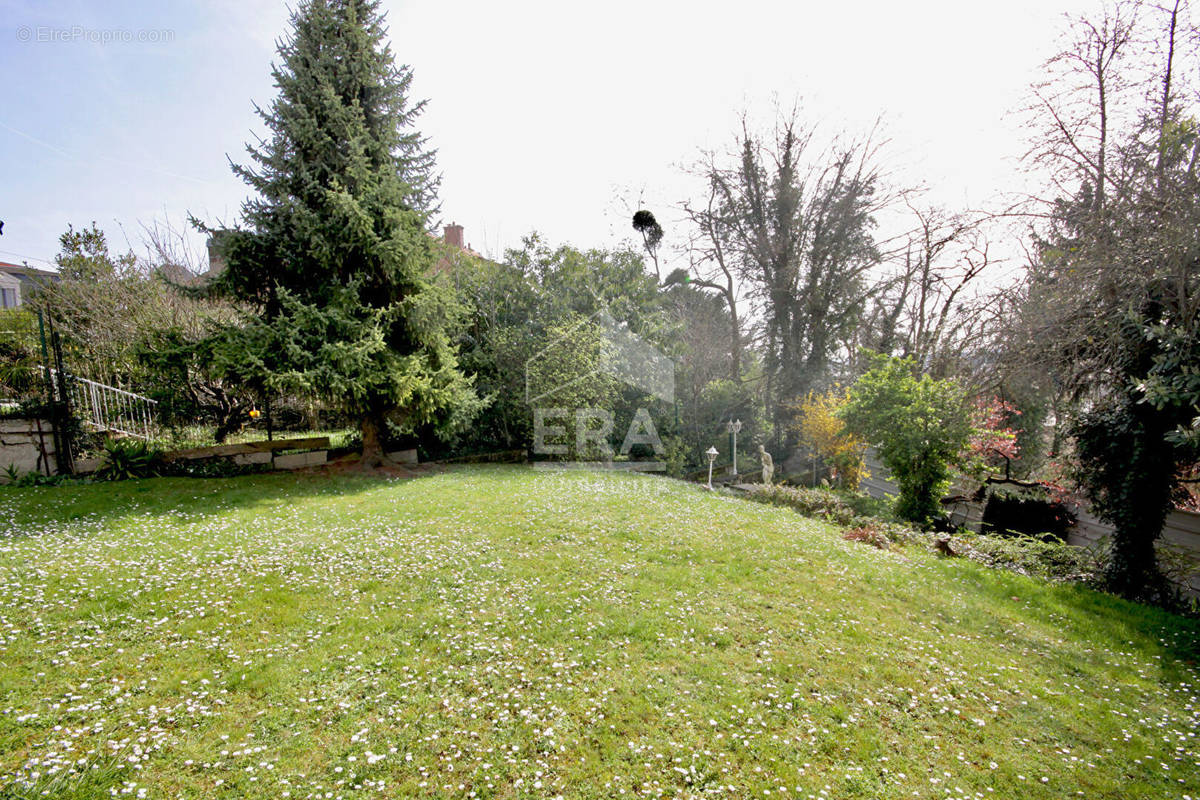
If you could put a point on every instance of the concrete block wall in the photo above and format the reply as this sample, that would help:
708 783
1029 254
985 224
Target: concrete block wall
404 456
290 461
300 460
28 445
253 458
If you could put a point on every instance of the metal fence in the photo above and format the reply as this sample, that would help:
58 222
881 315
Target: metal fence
107 408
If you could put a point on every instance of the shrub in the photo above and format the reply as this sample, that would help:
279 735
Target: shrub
20 377
901 533
676 457
865 505
1014 508
1041 556
124 459
825 435
14 477
1031 555
918 426
821 503
210 468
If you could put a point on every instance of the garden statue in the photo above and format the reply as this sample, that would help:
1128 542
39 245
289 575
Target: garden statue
768 465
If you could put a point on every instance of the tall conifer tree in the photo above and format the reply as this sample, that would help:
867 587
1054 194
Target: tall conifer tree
332 254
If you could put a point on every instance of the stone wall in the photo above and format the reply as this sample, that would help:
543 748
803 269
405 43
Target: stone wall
28 445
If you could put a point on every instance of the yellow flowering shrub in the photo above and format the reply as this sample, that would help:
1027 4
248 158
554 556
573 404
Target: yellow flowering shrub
822 432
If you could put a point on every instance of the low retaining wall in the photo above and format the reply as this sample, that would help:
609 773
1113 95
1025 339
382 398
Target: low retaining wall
1180 533
408 457
27 445
263 452
250 448
315 452
299 460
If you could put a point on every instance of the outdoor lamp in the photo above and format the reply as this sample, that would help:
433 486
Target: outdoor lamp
712 454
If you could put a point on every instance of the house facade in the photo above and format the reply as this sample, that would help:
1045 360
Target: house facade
18 282
10 291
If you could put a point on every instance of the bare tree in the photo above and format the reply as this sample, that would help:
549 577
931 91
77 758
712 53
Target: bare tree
710 266
793 222
1076 109
1112 300
938 304
1136 123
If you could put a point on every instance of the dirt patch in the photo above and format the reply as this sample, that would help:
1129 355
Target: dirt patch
350 465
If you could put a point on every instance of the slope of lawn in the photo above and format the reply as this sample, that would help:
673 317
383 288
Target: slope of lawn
511 633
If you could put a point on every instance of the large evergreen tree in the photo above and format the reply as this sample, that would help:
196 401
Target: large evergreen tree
333 254
1112 303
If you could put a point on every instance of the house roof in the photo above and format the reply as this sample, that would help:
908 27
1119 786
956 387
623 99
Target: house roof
25 273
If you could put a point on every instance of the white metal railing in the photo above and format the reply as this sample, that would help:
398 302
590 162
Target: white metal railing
107 408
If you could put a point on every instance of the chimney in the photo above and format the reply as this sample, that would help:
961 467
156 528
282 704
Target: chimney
453 234
216 261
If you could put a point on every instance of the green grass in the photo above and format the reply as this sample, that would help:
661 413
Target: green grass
202 436
511 633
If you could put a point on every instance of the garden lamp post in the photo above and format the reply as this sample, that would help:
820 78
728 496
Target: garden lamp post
734 426
712 454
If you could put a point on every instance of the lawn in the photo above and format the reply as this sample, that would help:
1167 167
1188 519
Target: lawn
511 633
202 436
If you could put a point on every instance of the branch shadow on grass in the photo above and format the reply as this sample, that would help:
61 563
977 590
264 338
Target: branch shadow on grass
39 510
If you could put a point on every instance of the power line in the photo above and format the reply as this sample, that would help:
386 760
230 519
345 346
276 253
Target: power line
27 258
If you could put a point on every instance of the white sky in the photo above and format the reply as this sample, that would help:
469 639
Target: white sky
546 116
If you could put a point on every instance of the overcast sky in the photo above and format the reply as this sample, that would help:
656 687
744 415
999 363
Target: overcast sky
550 116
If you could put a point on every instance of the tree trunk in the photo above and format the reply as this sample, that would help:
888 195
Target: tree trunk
373 432
1148 469
1132 571
735 341
229 422
1165 108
